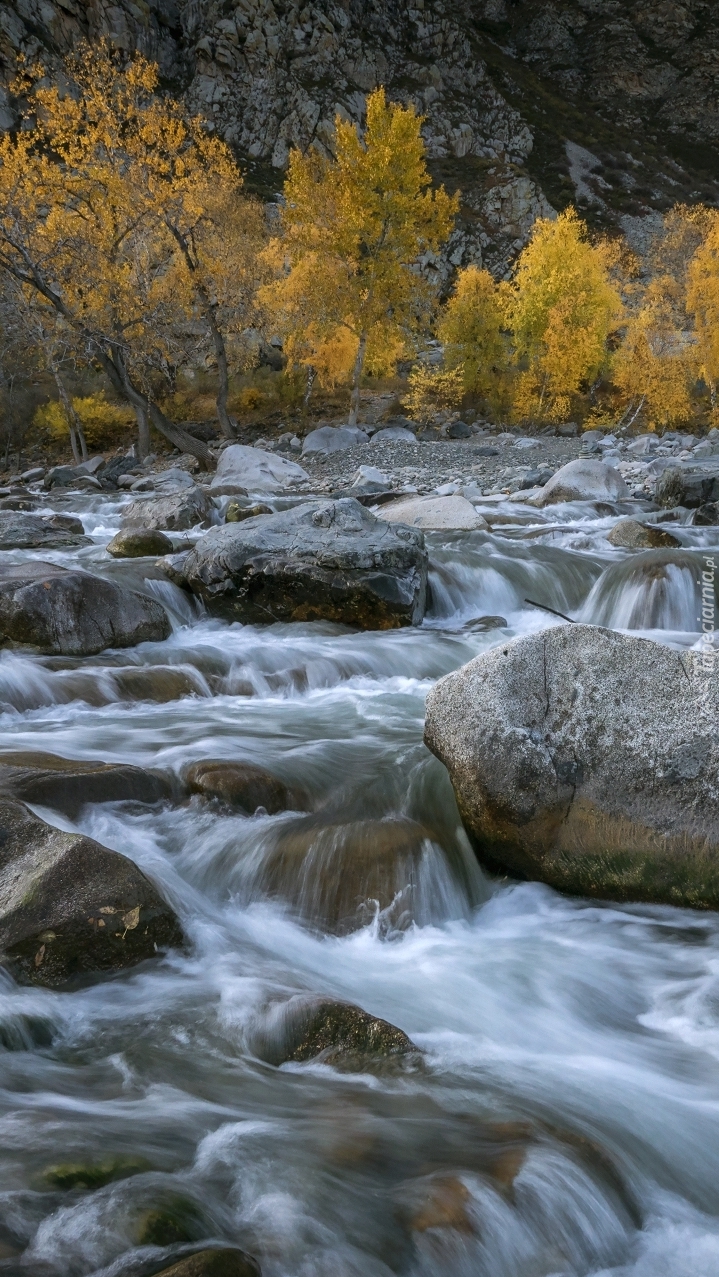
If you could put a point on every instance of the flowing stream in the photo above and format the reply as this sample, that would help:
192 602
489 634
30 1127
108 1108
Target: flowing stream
566 1119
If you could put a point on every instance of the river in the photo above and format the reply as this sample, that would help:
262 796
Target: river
581 1037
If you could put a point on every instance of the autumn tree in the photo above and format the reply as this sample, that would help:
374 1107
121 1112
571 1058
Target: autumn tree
471 331
652 367
702 304
562 306
354 227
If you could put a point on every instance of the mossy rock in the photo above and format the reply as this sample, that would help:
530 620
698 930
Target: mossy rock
344 1036
139 544
92 1175
174 1222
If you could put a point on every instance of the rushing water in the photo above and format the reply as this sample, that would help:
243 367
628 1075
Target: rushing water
568 1109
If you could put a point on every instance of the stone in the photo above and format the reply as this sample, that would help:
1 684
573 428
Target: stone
707 515
164 481
485 450
323 560
241 784
92 1175
236 513
632 535
568 430
33 475
583 480
175 512
642 445
40 532
589 760
446 1203
433 513
71 908
66 784
523 445
176 1223
128 544
243 469
65 612
215 1262
689 485
340 1034
370 477
394 434
459 430
158 683
332 439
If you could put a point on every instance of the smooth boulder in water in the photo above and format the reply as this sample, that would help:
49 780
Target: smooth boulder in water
583 480
71 908
632 535
588 760
433 513
218 1261
66 784
328 1031
241 784
136 544
175 512
65 612
40 532
321 561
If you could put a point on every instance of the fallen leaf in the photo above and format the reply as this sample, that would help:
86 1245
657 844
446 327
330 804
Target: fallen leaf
39 955
132 918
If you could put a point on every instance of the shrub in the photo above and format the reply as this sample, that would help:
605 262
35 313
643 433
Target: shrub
105 424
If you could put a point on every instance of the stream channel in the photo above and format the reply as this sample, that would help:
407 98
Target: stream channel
568 1101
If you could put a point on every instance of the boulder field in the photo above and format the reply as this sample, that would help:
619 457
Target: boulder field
588 760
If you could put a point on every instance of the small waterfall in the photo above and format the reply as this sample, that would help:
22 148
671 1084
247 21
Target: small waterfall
657 590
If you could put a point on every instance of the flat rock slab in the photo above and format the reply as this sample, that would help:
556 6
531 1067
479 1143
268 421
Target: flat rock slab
583 480
242 469
433 513
71 908
588 760
332 439
175 512
64 612
40 532
66 784
323 560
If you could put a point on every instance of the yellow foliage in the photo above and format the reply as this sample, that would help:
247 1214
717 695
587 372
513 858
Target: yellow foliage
432 390
702 303
470 328
249 399
104 424
652 367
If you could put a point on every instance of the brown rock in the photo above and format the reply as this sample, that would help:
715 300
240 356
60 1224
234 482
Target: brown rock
135 544
236 513
340 1034
632 535
241 785
66 784
445 1205
158 683
216 1262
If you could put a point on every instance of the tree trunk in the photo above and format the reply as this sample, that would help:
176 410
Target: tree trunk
114 366
143 431
218 340
77 434
356 378
311 374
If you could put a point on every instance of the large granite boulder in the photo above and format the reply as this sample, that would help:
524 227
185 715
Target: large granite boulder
66 784
71 908
583 480
321 561
588 760
62 611
328 439
243 469
175 512
433 513
691 485
40 532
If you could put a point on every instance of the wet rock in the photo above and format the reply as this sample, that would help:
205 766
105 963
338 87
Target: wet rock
323 560
158 683
165 481
332 439
40 532
175 1223
33 475
433 513
339 1034
236 513
632 535
71 908
588 760
176 512
93 1175
242 469
136 545
62 611
241 785
481 624
444 1202
66 784
689 485
216 1262
707 516
583 480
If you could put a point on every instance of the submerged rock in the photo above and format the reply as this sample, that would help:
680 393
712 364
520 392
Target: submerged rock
40 532
174 1223
92 1175
215 1262
66 784
439 513
632 535
71 908
242 469
158 683
340 1034
175 512
62 611
130 544
583 480
241 785
324 560
588 760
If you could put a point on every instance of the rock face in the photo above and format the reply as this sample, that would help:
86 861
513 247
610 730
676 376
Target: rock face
631 535
587 760
437 513
583 481
216 1262
61 611
241 785
689 485
69 907
135 545
242 469
332 439
325 560
67 784
175 512
339 1034
40 532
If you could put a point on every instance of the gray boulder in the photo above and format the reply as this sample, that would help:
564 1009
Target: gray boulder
164 481
438 513
323 560
394 434
332 439
706 516
175 512
583 480
40 532
587 760
61 611
138 544
690 485
66 784
71 908
632 535
242 469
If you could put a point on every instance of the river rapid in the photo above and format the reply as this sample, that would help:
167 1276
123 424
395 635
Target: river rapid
583 1037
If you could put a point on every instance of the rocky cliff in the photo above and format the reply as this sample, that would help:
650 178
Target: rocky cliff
528 105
